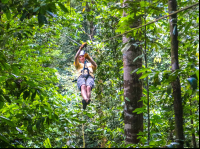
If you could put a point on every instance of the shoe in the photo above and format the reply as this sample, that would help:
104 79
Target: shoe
84 104
89 101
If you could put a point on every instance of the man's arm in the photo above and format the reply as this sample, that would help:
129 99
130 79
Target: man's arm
91 61
77 54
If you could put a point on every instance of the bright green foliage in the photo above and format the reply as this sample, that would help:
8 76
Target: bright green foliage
40 106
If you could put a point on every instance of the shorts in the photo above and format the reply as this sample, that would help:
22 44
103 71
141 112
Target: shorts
89 82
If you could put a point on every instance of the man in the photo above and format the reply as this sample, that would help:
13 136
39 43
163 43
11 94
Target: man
85 70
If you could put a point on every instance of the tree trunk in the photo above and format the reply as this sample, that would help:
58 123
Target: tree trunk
192 128
91 24
0 10
132 92
178 108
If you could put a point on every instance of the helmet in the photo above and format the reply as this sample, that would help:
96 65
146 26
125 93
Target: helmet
82 53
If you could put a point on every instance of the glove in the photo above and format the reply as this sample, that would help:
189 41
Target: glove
83 45
86 56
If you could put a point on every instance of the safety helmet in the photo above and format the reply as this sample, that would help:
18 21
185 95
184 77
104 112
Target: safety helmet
82 53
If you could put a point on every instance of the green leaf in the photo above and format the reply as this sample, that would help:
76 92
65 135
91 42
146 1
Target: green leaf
89 115
8 121
169 89
23 16
140 110
145 75
47 143
56 116
4 1
134 70
5 65
8 26
1 104
126 47
82 121
140 56
7 98
15 69
1 101
197 74
42 120
41 20
152 143
162 94
26 94
41 98
143 3
8 14
33 96
188 26
42 109
38 124
30 129
143 70
36 9
3 78
3 138
127 99
193 82
63 7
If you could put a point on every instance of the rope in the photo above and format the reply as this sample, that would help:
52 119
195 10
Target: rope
153 21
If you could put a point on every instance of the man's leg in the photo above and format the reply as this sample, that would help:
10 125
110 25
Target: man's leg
90 84
84 92
88 92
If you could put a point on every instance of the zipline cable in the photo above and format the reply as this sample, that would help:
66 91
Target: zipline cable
73 41
153 21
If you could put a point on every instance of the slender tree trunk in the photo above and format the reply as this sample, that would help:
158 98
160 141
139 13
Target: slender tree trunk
0 10
178 108
192 128
132 92
91 24
99 97
83 133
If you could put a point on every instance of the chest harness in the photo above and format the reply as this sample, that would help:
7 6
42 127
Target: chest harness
85 71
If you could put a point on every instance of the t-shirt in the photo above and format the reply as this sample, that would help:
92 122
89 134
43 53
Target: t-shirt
80 66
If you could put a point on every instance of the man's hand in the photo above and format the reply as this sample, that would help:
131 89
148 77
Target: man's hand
83 45
86 56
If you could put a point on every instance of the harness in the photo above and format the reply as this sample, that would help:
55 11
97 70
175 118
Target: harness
85 71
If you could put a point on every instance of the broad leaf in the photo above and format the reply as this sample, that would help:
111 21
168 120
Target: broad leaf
145 75
193 82
4 1
8 121
3 138
63 7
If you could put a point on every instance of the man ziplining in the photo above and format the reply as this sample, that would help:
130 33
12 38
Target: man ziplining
85 70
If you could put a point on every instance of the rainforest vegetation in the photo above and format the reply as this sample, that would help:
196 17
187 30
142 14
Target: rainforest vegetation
146 91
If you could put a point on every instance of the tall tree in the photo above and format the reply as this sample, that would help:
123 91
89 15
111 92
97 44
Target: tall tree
0 10
132 87
178 109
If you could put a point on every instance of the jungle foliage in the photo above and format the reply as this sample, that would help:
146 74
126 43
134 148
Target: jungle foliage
40 106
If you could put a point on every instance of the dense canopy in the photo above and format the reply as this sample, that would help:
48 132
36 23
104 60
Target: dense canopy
146 85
